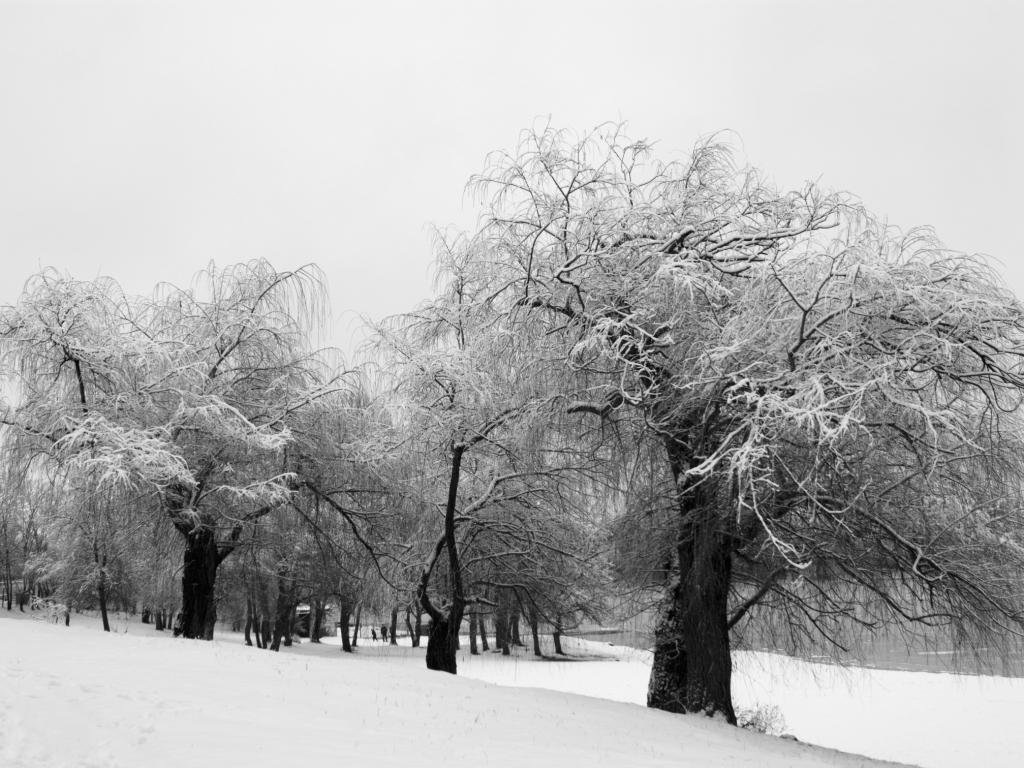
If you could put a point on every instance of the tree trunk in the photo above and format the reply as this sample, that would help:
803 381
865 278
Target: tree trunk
290 630
198 603
442 640
473 650
282 612
344 612
534 630
517 639
394 627
501 632
146 615
248 620
101 592
355 629
8 581
414 631
556 636
316 623
482 625
158 621
692 667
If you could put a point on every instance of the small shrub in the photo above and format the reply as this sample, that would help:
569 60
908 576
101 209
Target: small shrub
763 718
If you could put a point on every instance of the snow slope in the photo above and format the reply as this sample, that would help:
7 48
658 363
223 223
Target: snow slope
935 720
77 697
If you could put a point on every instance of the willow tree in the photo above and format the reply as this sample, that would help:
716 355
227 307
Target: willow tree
184 398
471 403
835 402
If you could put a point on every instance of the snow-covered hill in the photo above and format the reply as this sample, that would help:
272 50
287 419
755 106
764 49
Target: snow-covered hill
77 697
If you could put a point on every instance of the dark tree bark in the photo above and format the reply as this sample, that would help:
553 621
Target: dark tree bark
290 633
556 636
355 629
692 668
417 629
534 630
483 633
501 632
516 638
344 612
441 644
158 622
316 624
146 615
502 614
198 603
248 619
8 580
283 611
101 592
443 641
473 650
394 627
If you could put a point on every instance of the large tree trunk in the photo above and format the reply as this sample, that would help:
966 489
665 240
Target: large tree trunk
394 627
198 603
442 642
692 668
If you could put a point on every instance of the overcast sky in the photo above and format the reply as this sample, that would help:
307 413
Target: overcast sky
143 139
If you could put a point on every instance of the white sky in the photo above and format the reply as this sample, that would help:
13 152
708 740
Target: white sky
142 139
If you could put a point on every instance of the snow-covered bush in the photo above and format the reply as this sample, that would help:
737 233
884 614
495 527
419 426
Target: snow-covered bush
763 718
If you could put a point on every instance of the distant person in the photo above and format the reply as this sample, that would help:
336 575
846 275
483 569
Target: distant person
384 632
373 634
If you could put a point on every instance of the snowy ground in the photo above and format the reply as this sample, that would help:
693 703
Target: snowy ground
77 697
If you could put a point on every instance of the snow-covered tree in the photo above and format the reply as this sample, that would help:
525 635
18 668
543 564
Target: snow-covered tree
835 402
184 398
